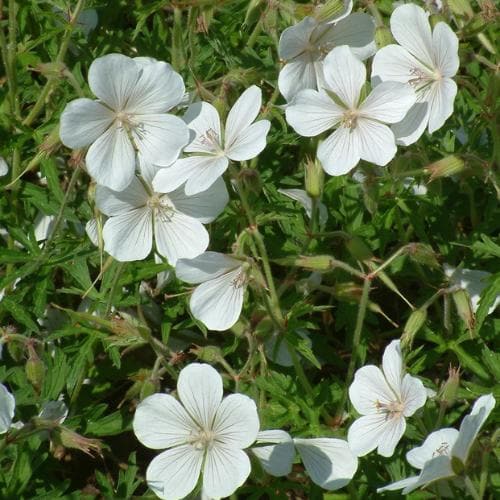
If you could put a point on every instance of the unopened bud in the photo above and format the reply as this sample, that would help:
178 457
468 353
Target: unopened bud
413 324
35 369
461 8
358 249
445 167
383 36
314 178
54 69
314 262
209 353
62 436
149 387
449 390
329 11
464 308
422 254
348 291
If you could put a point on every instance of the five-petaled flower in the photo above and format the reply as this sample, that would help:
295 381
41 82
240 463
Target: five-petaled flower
384 398
203 433
361 131
130 114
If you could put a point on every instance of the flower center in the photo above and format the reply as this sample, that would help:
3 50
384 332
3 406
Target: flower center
394 409
420 78
203 440
350 118
162 206
211 139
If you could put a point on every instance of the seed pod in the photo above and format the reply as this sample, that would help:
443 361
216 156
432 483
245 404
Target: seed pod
413 324
449 390
464 308
446 167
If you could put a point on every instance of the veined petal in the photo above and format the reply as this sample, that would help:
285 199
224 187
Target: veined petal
369 389
399 485
411 29
160 422
392 365
206 174
412 126
129 235
225 470
276 458
236 422
413 394
342 14
305 200
217 303
435 469
207 266
329 462
112 78
112 203
436 443
445 45
160 138
295 39
297 75
7 407
203 119
204 206
179 236
242 114
377 143
442 97
248 143
173 474
312 112
147 169
200 390
111 159
376 431
388 102
344 74
340 152
158 89
83 121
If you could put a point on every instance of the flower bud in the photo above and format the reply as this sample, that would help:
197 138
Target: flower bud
314 178
62 436
209 353
54 69
449 390
330 10
383 36
250 179
422 254
464 308
348 291
445 167
461 8
35 369
314 262
413 324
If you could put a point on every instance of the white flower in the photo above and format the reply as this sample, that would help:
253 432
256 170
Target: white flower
174 219
4 168
384 398
436 456
305 200
205 434
418 188
243 140
217 302
134 96
329 462
361 133
426 60
305 45
7 407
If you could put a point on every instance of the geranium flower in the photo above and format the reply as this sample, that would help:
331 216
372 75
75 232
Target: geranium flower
304 46
361 133
384 398
329 461
130 114
427 61
243 140
203 433
442 448
174 219
7 407
217 302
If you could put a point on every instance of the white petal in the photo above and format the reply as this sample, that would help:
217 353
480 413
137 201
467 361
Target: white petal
339 153
200 390
445 45
111 202
225 470
277 458
43 226
158 89
129 236
248 143
312 112
4 168
344 74
392 365
83 121
368 389
297 75
377 143
112 78
92 230
7 407
173 474
217 303
412 126
411 29
204 206
203 119
242 114
435 469
399 485
329 462
160 422
160 138
207 266
375 431
436 443
236 422
179 236
295 39
388 102
442 97
205 172
471 425
111 159
413 394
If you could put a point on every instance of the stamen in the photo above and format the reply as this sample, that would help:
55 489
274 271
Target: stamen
239 280
394 409
350 119
442 450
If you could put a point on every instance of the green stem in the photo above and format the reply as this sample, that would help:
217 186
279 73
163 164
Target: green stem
470 487
114 284
394 256
300 371
483 477
255 33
